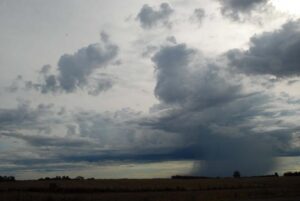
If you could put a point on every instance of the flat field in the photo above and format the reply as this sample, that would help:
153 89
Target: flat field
227 189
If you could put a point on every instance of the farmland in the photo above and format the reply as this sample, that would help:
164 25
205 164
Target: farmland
257 188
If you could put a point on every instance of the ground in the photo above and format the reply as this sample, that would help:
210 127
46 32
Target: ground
245 189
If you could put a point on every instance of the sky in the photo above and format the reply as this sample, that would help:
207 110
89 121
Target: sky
144 89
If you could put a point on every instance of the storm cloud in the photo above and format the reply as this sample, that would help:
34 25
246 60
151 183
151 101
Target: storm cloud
213 112
271 53
150 17
181 81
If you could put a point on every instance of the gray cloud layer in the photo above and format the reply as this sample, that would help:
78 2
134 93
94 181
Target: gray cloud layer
49 136
150 17
271 53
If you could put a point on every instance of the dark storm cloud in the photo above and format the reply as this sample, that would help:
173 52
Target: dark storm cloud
213 113
236 9
150 17
271 53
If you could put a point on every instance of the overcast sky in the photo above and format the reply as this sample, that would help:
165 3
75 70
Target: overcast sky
112 89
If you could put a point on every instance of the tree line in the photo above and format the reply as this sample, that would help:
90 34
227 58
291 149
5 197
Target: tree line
291 174
57 178
7 178
236 174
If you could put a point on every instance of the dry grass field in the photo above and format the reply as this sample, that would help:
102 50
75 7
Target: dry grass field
268 188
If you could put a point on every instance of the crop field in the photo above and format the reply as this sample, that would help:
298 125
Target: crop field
270 188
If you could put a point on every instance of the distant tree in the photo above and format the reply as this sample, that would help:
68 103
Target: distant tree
92 178
65 178
57 178
276 174
79 178
236 174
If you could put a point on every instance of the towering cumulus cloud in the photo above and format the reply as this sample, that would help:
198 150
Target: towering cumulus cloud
75 70
149 17
273 53
235 9
212 112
